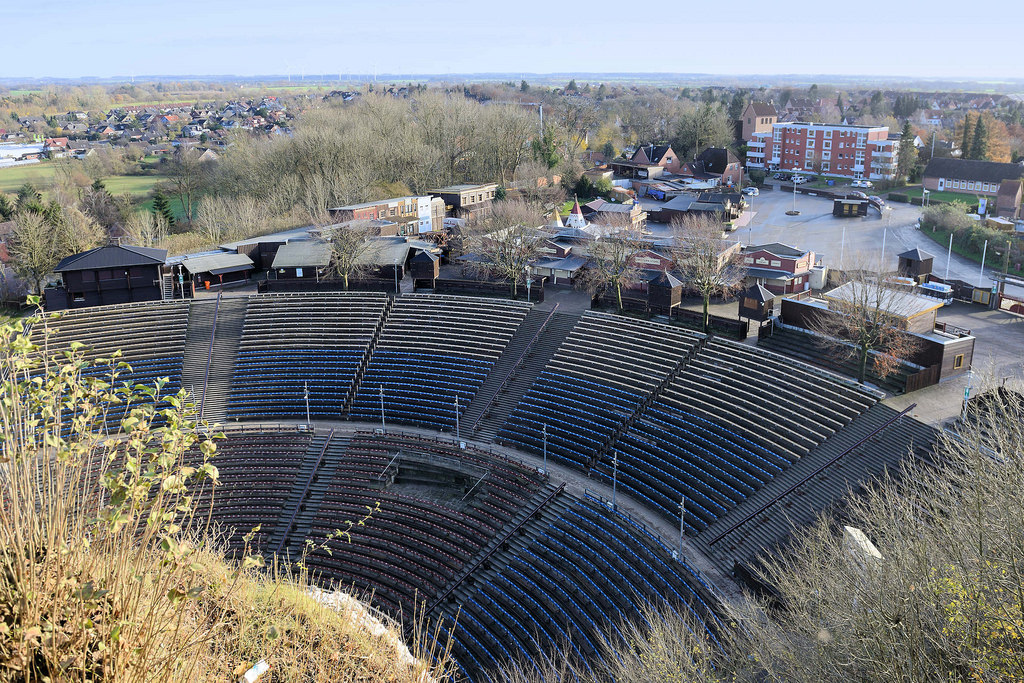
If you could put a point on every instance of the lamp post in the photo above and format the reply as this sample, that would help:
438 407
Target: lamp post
615 479
526 274
305 386
458 437
682 518
925 194
383 427
544 431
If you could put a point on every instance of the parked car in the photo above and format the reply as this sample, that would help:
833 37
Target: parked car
861 183
751 191
799 180
858 195
777 176
876 199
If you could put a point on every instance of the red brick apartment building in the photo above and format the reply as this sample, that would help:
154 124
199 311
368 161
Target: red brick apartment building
833 149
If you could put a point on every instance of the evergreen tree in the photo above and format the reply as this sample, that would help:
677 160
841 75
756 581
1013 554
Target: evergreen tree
524 86
545 148
602 92
572 86
162 207
737 105
6 207
29 199
965 142
979 141
907 158
98 186
839 104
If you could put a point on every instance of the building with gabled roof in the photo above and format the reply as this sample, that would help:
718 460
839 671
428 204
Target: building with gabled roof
107 275
969 176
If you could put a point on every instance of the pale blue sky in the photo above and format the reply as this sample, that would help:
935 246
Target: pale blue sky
112 37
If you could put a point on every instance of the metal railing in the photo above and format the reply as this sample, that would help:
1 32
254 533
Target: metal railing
302 496
494 548
209 357
818 470
513 369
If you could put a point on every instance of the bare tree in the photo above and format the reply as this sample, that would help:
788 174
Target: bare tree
35 248
354 251
708 263
224 218
864 323
576 116
146 229
185 173
506 131
507 239
611 263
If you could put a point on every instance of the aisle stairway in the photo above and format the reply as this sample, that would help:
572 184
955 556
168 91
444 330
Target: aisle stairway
197 347
496 400
230 319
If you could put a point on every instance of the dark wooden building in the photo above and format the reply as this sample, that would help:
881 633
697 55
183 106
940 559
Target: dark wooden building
303 260
217 269
425 266
757 303
108 275
849 207
664 292
916 264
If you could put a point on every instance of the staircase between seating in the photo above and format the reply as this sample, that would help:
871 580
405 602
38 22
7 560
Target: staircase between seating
495 555
227 335
647 402
197 348
365 362
325 453
516 370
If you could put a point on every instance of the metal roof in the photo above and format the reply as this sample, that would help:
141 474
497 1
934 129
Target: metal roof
217 264
112 257
303 254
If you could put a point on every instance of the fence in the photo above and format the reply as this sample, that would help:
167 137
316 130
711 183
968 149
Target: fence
490 289
924 378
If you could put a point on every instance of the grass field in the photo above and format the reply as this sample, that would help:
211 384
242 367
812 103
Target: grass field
992 258
41 175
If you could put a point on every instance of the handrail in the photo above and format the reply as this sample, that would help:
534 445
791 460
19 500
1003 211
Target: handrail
209 357
514 368
810 476
494 548
302 496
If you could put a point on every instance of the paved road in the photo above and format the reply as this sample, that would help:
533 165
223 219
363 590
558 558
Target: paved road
843 242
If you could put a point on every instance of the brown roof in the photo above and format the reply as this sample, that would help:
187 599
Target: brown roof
1009 189
764 109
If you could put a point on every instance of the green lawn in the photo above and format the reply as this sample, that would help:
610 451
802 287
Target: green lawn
967 198
41 175
176 207
992 258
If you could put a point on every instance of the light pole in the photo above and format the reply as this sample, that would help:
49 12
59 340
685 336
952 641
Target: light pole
383 427
526 274
949 256
305 386
967 391
458 437
682 518
544 431
925 194
615 478
981 270
396 277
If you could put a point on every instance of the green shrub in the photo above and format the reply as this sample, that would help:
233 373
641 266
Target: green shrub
898 197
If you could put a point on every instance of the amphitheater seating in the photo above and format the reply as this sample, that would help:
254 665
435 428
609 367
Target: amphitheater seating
583 572
412 546
256 472
606 368
151 337
729 423
292 342
434 351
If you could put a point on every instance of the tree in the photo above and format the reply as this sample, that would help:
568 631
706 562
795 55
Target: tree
707 263
967 136
737 105
220 219
35 248
863 324
877 103
839 105
29 199
571 88
576 116
979 140
146 229
163 207
611 265
6 207
507 239
185 173
505 135
524 86
544 149
705 126
354 250
907 158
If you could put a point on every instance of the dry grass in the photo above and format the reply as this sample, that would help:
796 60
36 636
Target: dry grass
106 570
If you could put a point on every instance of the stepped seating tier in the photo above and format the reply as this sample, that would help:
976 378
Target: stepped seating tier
601 375
150 336
294 344
581 572
433 354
